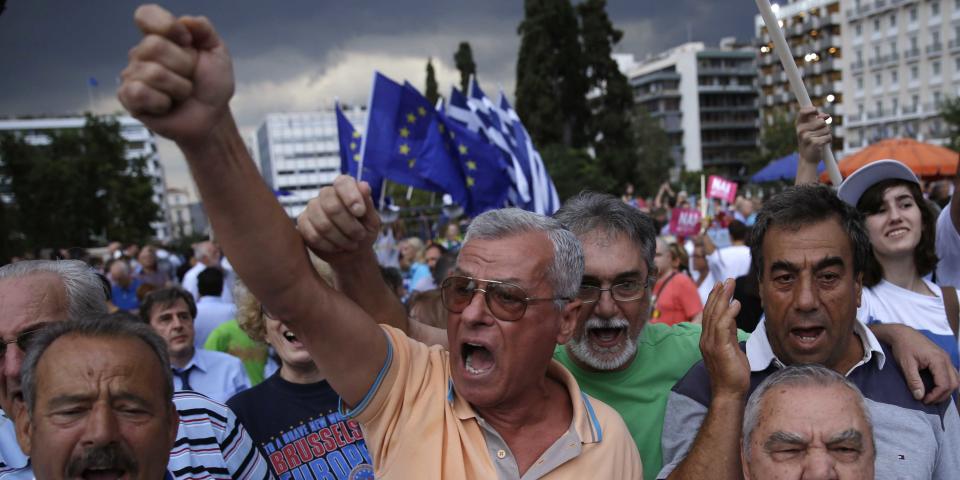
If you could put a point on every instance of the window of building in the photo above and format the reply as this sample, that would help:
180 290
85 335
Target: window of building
893 48
934 37
914 45
858 28
913 14
894 77
956 64
935 8
876 24
916 101
893 19
877 81
935 68
860 82
894 106
879 106
914 72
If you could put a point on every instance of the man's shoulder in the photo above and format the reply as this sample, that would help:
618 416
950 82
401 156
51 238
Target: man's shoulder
219 359
889 385
655 334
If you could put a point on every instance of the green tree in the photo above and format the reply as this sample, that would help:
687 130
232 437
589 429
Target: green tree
463 59
777 139
551 84
609 126
431 90
573 170
653 161
77 188
950 112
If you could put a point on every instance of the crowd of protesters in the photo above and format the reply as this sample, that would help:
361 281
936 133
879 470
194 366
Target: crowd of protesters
808 335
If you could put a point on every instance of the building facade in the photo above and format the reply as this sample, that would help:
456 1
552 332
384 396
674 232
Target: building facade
904 62
880 68
178 200
705 99
299 153
814 31
140 143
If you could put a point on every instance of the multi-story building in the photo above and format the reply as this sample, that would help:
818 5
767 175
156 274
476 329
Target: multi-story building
178 200
813 30
705 100
299 153
904 61
140 143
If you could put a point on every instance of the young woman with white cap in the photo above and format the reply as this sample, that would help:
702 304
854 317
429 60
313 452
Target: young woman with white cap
901 279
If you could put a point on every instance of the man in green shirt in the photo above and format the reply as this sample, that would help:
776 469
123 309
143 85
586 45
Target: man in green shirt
615 355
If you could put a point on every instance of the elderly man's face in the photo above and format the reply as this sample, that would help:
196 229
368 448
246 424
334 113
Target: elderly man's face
810 432
607 330
99 412
507 359
25 304
810 295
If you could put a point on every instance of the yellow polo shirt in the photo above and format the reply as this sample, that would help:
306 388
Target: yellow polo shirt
417 426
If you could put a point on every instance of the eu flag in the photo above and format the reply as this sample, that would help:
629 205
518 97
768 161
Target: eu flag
404 142
350 141
485 173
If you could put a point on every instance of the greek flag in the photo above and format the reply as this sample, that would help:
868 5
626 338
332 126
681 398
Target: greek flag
499 124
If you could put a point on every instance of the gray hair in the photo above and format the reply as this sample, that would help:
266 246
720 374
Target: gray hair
85 289
91 327
566 271
798 376
600 212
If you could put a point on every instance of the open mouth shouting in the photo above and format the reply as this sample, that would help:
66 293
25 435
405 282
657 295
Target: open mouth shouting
807 338
606 334
478 359
291 338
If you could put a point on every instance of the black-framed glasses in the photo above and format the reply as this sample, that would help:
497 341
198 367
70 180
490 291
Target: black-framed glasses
506 301
22 341
628 291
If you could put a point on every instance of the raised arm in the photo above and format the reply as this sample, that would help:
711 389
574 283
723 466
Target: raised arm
813 134
715 452
178 83
339 237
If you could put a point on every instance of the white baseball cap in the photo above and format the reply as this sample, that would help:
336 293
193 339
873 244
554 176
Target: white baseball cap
869 175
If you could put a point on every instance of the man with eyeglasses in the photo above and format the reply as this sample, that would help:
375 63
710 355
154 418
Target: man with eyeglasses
496 405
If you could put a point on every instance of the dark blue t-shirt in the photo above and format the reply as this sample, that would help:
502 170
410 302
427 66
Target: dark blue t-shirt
299 429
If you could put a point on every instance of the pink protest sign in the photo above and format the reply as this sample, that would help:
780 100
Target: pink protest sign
719 187
685 222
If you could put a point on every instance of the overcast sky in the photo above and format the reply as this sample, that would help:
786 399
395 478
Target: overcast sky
296 55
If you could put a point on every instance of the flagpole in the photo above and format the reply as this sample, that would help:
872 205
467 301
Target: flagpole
796 82
366 129
383 193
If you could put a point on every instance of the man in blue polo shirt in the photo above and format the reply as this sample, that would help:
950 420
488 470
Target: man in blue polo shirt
809 249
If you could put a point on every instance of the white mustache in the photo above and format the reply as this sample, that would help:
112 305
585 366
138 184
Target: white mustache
597 322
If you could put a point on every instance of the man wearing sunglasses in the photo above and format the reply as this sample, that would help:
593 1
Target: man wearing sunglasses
36 293
496 405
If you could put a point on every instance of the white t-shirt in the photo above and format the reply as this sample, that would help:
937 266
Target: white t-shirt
729 262
888 303
948 250
705 287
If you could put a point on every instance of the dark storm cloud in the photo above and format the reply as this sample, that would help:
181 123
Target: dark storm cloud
284 51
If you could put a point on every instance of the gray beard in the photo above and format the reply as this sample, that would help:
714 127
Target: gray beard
603 358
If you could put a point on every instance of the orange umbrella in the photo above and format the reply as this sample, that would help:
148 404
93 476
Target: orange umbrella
926 160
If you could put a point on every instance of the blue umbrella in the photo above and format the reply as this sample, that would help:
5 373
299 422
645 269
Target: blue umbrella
780 169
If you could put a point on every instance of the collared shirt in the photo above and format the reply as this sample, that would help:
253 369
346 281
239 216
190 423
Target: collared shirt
760 354
913 440
417 426
211 313
214 374
210 444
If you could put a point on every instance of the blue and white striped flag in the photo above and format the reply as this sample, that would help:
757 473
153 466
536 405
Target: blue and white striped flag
477 116
544 192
